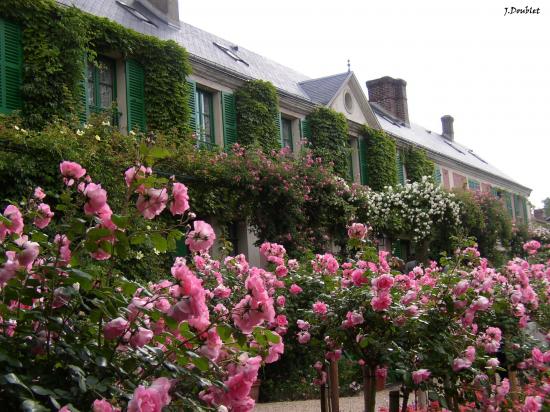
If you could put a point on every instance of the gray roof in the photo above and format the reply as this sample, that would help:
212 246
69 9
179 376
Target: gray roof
198 43
323 89
436 143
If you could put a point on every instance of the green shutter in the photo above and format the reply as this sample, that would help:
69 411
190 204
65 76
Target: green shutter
363 161
400 171
229 117
83 92
305 130
508 201
397 247
494 192
192 103
135 95
437 175
11 67
525 211
278 122
517 206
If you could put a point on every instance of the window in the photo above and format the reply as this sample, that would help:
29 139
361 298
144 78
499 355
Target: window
473 185
101 85
205 118
286 125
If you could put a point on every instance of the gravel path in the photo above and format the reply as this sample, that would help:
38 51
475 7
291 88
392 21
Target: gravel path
353 404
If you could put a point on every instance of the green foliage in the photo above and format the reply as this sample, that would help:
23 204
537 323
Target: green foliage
380 158
546 203
485 218
55 41
329 138
257 107
417 164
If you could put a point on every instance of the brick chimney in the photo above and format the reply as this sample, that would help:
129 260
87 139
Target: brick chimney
166 10
447 127
391 94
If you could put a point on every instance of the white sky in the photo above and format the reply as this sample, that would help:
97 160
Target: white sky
464 58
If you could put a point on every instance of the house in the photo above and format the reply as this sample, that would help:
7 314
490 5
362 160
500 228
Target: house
219 67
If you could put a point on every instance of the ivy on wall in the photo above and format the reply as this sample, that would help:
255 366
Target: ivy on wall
257 107
329 138
56 39
381 158
417 164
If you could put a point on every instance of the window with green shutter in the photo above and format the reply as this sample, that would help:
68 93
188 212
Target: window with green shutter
278 122
192 103
508 201
205 119
286 130
135 95
400 168
526 212
473 185
11 68
100 87
437 175
305 130
363 161
229 119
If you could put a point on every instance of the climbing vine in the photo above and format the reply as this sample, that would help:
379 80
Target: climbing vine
417 164
380 156
329 138
257 109
55 40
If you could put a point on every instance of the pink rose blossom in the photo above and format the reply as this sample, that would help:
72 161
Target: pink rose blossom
44 217
357 231
295 289
304 337
320 308
201 238
152 202
275 351
531 247
71 170
101 405
492 363
97 198
281 301
39 193
29 253
151 399
180 204
383 282
115 328
532 404
381 302
420 375
16 224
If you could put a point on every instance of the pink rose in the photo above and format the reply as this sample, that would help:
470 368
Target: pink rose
152 202
29 253
281 301
304 337
383 282
71 170
461 363
141 337
44 216
39 193
115 328
420 375
201 238
493 363
357 231
151 399
461 287
101 405
180 204
320 308
16 224
275 351
295 289
532 404
381 302
97 198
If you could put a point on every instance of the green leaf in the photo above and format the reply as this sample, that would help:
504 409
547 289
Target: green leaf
39 390
201 363
138 239
30 405
97 233
77 275
159 242
14 380
224 331
185 331
120 221
272 337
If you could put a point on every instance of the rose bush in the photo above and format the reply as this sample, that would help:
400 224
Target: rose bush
77 334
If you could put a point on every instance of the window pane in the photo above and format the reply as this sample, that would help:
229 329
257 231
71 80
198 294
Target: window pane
91 85
106 82
286 125
205 119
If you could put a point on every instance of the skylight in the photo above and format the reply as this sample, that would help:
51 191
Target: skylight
137 14
231 52
454 147
476 156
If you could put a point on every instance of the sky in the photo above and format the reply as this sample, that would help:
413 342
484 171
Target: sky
464 58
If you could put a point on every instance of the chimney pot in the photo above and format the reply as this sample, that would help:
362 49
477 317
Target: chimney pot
447 127
391 94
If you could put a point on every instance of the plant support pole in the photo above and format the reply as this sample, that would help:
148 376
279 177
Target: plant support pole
334 387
